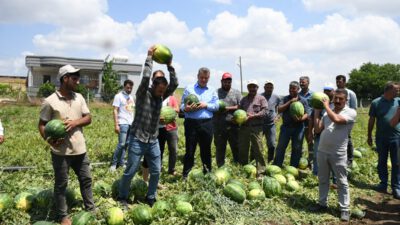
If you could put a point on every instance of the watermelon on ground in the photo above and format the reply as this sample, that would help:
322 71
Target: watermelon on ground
44 199
101 188
183 208
357 213
250 170
316 100
237 182
272 170
253 185
82 218
239 116
292 185
139 188
183 197
160 209
221 176
256 194
280 178
141 214
289 177
271 187
196 175
115 216
235 193
55 129
162 54
5 201
292 170
24 200
168 114
303 164
296 109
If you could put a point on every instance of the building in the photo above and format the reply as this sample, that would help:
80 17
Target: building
42 69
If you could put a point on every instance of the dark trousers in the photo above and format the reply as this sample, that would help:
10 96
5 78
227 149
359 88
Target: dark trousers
223 134
198 132
350 151
80 165
171 138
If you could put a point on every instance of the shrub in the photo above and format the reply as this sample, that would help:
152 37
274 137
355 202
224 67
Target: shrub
46 89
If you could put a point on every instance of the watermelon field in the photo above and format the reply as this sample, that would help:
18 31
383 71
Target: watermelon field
212 199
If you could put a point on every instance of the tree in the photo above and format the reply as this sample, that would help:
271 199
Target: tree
110 81
369 80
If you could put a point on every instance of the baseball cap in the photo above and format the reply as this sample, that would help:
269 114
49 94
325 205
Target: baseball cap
65 70
226 76
269 82
252 81
329 86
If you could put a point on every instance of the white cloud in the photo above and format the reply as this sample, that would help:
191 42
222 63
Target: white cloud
14 66
355 7
225 2
165 28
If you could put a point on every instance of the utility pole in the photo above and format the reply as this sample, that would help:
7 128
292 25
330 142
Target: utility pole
241 79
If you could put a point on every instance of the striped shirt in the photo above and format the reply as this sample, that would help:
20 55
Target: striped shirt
148 107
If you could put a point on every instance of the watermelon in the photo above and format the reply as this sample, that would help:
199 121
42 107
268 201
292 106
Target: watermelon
250 170
289 177
292 185
101 188
82 218
222 106
253 185
162 54
235 193
280 178
271 187
256 194
196 175
183 208
5 201
237 182
72 196
139 188
272 170
168 114
303 164
115 216
183 197
190 99
221 176
357 154
357 213
316 100
55 129
23 201
44 199
160 209
240 116
296 109
141 214
292 170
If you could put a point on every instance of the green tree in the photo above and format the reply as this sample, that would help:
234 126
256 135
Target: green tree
368 81
110 81
46 89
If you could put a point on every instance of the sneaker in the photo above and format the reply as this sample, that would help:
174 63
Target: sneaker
150 201
66 221
113 168
345 216
396 194
381 188
318 208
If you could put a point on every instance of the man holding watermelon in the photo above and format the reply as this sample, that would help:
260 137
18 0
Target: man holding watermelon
68 152
306 93
144 132
334 126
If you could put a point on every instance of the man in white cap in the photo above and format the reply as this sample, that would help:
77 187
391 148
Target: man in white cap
68 152
271 118
250 133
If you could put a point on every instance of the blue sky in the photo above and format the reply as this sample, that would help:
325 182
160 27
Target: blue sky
277 39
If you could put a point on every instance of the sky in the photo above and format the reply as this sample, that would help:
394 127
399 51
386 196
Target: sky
277 40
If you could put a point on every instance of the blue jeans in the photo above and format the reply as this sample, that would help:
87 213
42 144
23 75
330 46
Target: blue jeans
119 153
270 136
135 152
289 133
384 147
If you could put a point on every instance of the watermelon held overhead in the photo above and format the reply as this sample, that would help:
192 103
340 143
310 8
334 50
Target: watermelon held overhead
296 109
55 129
162 54
168 114
240 116
316 100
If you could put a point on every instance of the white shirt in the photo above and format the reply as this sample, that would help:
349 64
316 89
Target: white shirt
1 129
126 108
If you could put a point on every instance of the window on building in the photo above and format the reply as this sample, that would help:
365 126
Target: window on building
122 78
46 78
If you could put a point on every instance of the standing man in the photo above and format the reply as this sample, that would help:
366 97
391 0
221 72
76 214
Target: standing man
306 93
250 134
291 128
225 130
352 103
387 137
269 128
124 106
198 123
69 106
1 133
335 127
143 135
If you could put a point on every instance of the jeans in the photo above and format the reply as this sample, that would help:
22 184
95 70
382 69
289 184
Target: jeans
270 136
385 147
80 165
119 153
135 152
171 137
289 133
350 151
223 134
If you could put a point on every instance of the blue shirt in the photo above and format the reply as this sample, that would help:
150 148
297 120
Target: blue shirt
384 110
273 102
204 94
287 119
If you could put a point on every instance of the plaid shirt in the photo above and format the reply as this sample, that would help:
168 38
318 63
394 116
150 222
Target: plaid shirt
148 107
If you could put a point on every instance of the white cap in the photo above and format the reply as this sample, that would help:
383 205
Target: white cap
252 81
65 70
329 86
269 82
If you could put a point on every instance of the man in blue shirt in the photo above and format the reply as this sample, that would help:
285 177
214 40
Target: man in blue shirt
198 123
387 137
306 93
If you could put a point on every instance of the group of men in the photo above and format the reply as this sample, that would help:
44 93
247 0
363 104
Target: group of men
327 131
